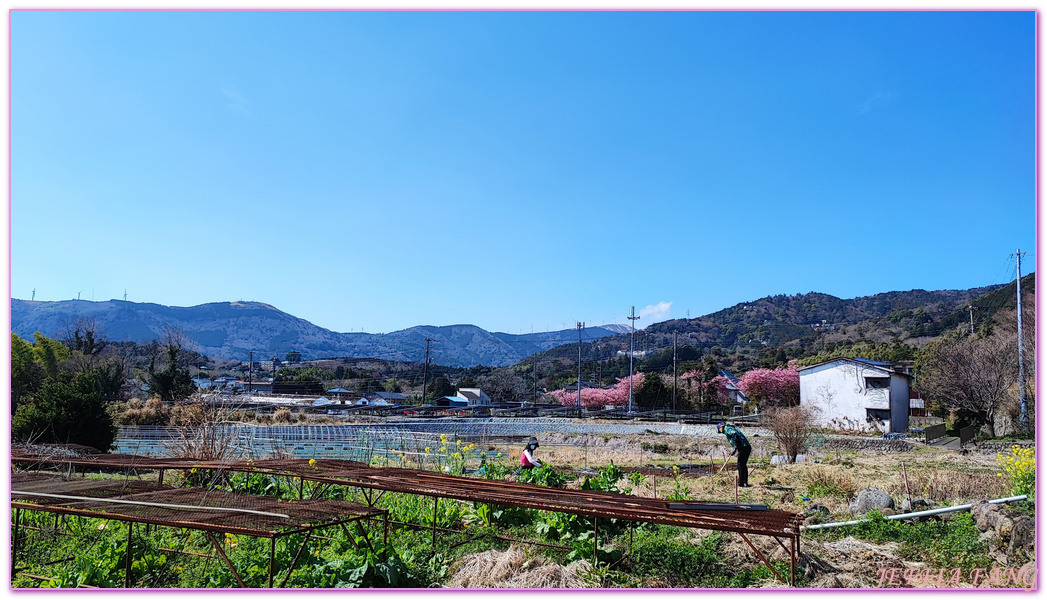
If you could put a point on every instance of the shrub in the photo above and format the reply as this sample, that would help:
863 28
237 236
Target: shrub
791 428
824 481
679 563
68 409
1020 469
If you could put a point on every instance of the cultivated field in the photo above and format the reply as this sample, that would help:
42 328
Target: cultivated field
485 546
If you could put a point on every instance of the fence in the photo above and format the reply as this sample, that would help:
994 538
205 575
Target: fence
933 432
967 434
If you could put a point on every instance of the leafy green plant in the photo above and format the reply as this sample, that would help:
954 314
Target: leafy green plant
543 476
606 481
660 554
680 490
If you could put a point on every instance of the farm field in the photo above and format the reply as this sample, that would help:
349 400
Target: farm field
488 546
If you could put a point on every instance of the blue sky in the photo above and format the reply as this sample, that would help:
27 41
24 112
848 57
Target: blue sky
378 170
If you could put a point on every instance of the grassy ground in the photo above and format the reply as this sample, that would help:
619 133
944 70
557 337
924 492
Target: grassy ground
475 555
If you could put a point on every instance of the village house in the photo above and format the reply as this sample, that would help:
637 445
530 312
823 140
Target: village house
856 394
473 396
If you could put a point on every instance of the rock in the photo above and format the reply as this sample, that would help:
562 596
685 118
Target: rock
816 507
871 498
989 538
814 519
887 512
1023 534
917 505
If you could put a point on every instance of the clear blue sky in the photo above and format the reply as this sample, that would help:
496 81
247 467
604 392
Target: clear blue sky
378 170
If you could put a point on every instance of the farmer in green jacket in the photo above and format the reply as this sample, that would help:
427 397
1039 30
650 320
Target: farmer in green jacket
741 446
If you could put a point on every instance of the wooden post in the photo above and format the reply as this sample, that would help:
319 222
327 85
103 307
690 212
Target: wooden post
905 478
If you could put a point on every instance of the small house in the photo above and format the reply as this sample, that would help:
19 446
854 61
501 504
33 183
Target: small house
473 397
857 394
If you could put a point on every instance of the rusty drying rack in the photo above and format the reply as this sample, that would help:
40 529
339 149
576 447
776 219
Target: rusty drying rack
209 511
782 526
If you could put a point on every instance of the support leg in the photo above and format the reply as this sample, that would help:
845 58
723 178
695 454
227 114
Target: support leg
596 540
272 560
298 555
127 559
229 563
436 501
14 543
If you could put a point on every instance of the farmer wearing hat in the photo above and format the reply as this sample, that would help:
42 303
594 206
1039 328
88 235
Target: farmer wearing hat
741 446
527 459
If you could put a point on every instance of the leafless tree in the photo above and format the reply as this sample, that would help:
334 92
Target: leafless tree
791 427
972 375
503 385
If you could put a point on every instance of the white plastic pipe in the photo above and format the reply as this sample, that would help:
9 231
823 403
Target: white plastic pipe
922 513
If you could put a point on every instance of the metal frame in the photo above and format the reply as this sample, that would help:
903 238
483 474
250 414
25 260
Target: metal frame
375 482
133 506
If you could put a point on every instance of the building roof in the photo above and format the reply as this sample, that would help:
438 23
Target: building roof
881 366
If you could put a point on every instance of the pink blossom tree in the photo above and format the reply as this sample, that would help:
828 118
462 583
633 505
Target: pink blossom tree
772 387
713 391
596 398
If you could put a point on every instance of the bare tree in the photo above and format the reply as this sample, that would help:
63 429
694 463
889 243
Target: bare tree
791 428
503 385
974 376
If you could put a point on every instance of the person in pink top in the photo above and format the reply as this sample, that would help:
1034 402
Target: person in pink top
527 459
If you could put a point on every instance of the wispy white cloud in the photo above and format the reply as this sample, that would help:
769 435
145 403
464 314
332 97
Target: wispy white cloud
875 100
235 101
653 313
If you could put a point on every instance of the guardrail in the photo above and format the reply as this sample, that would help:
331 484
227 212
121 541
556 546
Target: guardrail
967 434
933 432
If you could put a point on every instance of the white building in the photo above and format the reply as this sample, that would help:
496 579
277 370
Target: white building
474 396
857 395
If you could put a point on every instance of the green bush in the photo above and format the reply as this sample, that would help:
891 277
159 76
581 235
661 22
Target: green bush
68 409
679 563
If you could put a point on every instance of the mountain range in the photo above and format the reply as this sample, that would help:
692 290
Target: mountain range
232 330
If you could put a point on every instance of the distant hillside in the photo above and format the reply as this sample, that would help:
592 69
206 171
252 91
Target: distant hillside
230 330
804 322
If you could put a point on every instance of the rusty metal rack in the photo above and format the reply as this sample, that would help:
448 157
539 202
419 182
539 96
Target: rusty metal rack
209 511
783 526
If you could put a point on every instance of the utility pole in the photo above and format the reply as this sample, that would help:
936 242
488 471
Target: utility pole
425 367
250 369
534 399
674 371
580 326
125 295
970 309
34 295
632 337
1023 415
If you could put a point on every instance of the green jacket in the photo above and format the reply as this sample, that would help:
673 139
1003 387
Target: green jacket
735 437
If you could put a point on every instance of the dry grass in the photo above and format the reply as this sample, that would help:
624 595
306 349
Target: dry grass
516 569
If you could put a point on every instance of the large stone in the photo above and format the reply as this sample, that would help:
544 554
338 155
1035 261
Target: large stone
869 499
916 505
1023 535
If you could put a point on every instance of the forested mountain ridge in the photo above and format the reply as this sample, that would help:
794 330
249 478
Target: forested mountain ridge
231 330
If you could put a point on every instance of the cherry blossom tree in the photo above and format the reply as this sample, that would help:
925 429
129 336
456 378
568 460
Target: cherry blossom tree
596 398
772 387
